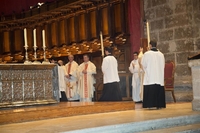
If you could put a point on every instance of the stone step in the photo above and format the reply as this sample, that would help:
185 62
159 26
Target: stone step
192 128
142 126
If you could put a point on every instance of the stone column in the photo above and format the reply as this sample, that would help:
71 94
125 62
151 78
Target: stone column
195 67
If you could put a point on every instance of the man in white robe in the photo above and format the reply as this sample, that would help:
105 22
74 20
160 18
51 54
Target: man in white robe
111 88
136 71
153 63
86 81
62 83
71 79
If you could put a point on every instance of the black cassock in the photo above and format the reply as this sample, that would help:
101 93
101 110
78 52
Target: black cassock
154 96
111 92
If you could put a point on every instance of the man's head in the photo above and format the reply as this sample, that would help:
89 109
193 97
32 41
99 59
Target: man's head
70 58
108 50
86 58
153 44
53 59
135 55
60 62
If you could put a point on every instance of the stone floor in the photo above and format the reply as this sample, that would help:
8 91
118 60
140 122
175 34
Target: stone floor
97 120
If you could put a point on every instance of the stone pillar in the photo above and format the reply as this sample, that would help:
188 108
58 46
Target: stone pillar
195 67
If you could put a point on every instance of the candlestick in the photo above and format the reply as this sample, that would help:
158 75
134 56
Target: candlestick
35 56
26 56
148 33
25 38
34 38
43 38
102 47
26 47
45 61
35 48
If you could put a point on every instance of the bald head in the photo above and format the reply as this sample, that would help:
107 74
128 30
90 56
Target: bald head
71 58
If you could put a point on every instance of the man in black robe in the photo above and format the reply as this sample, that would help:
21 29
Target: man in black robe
153 63
111 88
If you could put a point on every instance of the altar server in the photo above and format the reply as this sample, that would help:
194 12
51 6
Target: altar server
71 79
153 63
86 81
111 88
61 64
62 83
136 71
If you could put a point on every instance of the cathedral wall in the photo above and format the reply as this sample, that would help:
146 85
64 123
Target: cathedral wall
175 25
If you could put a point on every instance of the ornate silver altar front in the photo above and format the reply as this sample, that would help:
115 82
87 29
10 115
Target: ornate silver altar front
28 84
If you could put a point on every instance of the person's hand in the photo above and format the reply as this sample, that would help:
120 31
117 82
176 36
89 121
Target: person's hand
84 71
67 76
141 49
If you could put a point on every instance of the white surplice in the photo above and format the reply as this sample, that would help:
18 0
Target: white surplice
72 87
153 63
109 69
136 80
86 81
61 79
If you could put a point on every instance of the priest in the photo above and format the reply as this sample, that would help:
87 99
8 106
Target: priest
153 63
111 88
71 79
86 80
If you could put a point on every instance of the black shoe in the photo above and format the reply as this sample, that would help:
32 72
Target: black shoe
139 102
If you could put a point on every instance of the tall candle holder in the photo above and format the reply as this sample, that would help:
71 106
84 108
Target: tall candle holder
102 46
45 60
35 56
26 55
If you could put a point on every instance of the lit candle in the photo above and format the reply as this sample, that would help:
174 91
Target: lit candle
25 38
34 38
148 33
43 38
102 47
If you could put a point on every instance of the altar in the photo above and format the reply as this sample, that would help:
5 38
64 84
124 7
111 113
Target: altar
29 84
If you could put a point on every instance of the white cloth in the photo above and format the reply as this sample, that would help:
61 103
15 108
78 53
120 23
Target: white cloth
72 88
110 70
136 81
153 63
86 81
61 79
141 75
85 99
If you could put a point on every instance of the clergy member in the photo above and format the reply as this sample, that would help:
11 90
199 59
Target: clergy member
86 79
71 79
111 88
153 63
135 69
61 78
